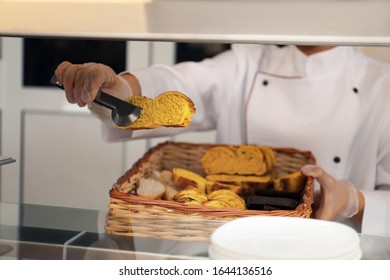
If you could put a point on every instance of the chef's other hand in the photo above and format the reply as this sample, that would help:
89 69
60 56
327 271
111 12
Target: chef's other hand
82 81
337 199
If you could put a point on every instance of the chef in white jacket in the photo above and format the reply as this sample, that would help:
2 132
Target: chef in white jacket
333 101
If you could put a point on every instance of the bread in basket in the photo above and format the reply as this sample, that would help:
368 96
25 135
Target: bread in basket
133 215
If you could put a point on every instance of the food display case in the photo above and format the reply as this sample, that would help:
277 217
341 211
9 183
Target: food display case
31 231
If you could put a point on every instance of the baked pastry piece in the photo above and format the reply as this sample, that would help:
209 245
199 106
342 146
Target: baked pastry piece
173 109
184 178
249 184
248 166
150 188
146 119
294 182
232 199
194 192
241 179
190 196
216 204
236 160
170 109
165 177
214 186
270 158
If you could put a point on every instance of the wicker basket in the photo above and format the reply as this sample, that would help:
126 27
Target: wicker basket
131 215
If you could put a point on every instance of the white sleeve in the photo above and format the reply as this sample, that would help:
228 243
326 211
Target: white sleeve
376 218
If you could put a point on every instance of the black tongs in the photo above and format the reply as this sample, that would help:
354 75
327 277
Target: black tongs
122 113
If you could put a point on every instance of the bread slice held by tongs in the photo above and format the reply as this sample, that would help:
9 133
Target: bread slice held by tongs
169 109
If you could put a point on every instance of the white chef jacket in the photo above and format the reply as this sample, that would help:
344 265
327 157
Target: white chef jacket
334 103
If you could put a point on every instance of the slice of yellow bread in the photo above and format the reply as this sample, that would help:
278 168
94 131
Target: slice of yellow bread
249 184
169 109
174 109
146 118
240 179
184 178
235 160
294 182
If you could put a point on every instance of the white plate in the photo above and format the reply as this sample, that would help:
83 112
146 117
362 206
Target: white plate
264 237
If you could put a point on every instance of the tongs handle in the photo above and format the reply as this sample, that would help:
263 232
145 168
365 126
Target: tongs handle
122 113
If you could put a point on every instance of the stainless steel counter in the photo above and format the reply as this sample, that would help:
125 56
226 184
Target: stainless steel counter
46 233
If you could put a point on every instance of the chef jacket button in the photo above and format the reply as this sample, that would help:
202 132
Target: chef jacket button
265 83
336 159
355 90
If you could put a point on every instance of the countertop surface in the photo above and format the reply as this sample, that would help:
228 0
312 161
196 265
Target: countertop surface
46 232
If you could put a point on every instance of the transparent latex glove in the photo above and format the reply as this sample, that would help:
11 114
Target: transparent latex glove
337 198
82 81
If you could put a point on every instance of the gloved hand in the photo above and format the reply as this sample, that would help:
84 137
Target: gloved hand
338 198
82 81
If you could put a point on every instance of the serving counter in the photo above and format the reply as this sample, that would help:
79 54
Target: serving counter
54 233
46 233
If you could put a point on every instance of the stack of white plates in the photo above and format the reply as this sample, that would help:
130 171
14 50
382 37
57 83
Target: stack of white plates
284 238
